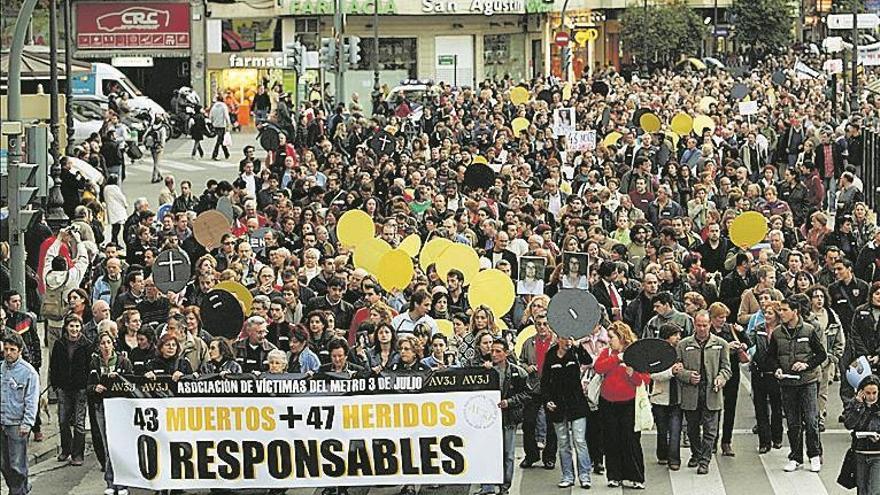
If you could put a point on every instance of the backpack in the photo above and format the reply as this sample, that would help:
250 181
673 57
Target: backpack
54 306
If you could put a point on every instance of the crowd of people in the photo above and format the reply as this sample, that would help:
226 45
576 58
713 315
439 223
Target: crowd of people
641 221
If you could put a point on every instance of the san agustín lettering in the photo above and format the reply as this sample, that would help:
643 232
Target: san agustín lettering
301 458
292 387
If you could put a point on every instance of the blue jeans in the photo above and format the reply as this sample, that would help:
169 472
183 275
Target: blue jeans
565 431
668 421
509 433
13 462
72 422
868 474
800 403
102 428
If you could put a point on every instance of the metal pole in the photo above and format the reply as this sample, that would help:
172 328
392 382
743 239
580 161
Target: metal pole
339 27
376 45
800 22
16 230
68 79
714 28
53 79
854 94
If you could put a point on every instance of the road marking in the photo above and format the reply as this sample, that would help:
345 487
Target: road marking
801 481
688 482
179 166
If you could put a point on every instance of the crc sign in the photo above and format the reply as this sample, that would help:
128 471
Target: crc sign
131 25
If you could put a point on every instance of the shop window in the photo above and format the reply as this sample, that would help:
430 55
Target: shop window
251 35
504 55
394 54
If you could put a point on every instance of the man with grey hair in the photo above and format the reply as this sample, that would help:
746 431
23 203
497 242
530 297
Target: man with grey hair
663 207
252 350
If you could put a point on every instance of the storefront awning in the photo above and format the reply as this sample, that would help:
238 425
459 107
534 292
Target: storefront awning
35 64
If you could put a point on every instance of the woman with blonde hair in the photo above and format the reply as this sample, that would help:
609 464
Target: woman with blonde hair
538 304
482 320
694 302
739 343
818 229
624 460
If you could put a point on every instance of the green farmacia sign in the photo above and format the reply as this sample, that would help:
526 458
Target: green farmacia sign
350 7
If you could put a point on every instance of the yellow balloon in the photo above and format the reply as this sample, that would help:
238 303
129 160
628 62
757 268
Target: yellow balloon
649 122
682 124
480 159
521 339
566 90
368 254
519 95
612 138
703 122
432 250
446 328
520 124
411 245
461 257
673 137
492 288
501 325
395 270
354 227
748 229
705 103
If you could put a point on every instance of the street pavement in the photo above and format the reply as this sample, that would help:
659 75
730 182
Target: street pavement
746 474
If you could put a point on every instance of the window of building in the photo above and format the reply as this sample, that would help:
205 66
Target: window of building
251 35
394 54
307 32
504 55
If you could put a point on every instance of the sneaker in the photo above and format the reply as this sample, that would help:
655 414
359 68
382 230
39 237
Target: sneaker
662 462
763 449
63 457
76 462
109 491
565 484
613 484
586 485
777 445
598 468
540 445
548 465
791 466
122 491
693 462
674 466
815 464
703 469
527 463
637 485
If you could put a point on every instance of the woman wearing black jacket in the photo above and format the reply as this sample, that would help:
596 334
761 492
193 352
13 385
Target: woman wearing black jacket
567 406
68 374
105 365
221 359
766 396
168 361
862 415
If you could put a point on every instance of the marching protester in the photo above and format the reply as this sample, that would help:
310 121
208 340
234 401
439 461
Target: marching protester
646 218
20 387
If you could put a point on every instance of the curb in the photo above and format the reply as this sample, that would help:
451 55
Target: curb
49 452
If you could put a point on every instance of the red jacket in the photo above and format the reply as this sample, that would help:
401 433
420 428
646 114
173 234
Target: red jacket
617 386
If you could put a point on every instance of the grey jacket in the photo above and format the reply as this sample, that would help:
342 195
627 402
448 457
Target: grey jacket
716 359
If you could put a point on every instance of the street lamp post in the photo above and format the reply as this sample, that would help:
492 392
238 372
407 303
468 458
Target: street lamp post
53 78
16 229
854 94
68 86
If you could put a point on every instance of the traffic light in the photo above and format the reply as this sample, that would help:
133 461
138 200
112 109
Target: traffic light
295 56
352 51
566 58
26 177
327 54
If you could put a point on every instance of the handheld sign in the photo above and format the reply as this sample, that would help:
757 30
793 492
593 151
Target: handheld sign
171 271
222 314
650 355
574 312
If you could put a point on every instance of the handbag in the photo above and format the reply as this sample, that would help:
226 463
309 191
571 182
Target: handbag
644 417
594 389
741 354
847 476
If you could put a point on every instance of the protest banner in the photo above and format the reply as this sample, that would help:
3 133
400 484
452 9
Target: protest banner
295 431
582 140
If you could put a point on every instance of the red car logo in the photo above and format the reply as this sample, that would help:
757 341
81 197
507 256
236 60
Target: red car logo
134 18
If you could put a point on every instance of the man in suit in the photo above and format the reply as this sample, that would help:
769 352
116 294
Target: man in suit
606 292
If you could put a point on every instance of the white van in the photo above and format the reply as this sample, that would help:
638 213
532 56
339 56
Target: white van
105 79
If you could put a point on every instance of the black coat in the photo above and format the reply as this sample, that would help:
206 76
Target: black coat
66 373
517 391
561 383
